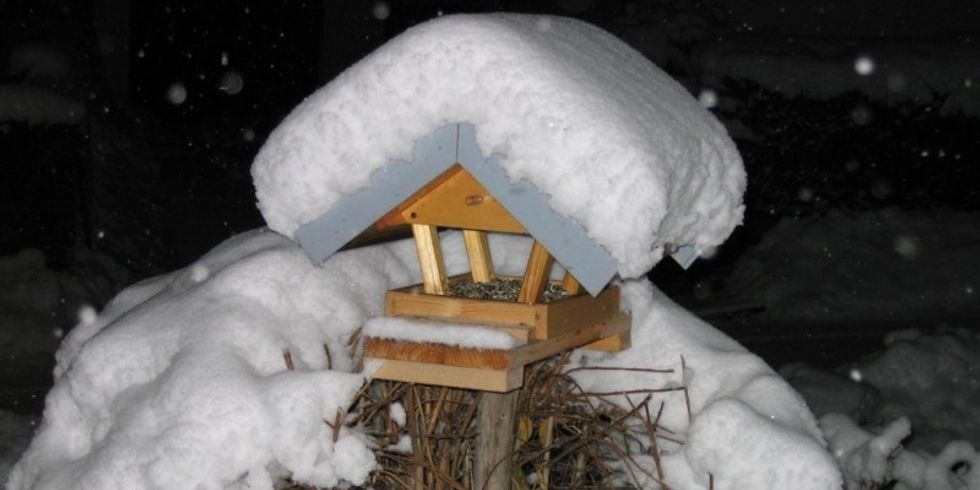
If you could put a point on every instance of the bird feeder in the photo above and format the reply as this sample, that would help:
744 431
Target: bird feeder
451 184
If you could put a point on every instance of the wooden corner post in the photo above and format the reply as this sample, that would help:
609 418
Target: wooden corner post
478 253
536 274
430 259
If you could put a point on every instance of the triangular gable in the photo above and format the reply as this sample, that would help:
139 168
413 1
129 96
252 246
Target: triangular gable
394 183
455 199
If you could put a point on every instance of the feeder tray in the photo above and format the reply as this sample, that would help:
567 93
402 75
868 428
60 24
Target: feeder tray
540 329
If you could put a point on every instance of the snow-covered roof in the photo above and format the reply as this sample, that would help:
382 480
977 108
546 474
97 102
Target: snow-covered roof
614 143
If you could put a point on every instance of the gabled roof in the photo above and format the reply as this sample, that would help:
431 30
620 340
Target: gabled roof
454 144
614 143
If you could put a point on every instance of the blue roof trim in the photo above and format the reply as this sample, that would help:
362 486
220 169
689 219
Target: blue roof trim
389 187
567 241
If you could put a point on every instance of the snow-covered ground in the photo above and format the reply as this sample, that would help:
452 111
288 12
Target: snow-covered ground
181 380
888 266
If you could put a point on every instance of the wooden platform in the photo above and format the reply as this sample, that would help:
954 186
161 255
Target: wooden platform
486 369
541 320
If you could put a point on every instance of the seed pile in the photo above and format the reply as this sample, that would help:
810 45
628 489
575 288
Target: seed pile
500 289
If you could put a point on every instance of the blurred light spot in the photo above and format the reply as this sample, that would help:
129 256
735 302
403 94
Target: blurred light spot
968 82
58 332
232 82
862 115
87 315
177 93
381 10
852 165
708 98
855 375
248 134
907 247
864 65
805 194
224 58
199 273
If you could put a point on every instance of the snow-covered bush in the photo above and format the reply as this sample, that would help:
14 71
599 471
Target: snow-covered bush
921 430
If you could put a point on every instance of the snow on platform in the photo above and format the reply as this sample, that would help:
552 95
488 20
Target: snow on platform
445 333
615 144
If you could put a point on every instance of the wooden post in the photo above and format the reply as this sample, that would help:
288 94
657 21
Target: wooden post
478 253
430 259
493 465
536 275
570 284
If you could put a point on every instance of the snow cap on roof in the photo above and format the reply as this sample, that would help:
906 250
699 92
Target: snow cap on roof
616 144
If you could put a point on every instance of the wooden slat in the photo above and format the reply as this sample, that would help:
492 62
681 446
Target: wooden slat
460 201
538 350
478 253
570 284
615 343
535 275
569 313
494 359
453 376
436 353
430 259
405 302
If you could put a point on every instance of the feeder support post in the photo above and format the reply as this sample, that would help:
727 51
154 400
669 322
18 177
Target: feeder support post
496 417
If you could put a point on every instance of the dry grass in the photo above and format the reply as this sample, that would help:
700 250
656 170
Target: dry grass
566 437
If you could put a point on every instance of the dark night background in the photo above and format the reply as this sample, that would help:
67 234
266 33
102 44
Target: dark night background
178 97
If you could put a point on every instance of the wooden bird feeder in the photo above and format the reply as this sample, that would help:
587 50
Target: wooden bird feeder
457 200
450 184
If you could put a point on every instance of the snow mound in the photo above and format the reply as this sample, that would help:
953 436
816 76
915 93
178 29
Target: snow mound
746 428
886 265
181 381
923 385
615 143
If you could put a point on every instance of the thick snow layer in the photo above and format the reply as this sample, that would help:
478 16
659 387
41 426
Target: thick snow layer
438 333
617 145
747 428
888 265
181 381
